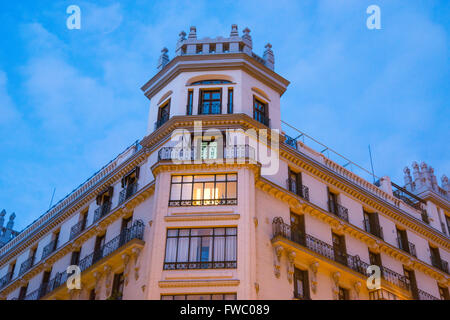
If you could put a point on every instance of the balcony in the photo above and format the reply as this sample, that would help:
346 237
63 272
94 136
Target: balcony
107 251
101 211
373 229
49 249
193 153
407 247
439 263
338 210
77 229
127 192
303 191
318 246
5 279
26 265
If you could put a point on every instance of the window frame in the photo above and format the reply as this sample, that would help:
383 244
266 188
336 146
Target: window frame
264 114
201 100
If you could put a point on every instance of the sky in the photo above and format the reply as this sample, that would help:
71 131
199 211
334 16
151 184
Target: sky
70 100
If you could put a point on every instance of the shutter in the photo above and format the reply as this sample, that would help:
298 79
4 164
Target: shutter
110 191
99 198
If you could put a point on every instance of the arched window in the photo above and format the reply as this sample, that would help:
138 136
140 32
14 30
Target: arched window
211 82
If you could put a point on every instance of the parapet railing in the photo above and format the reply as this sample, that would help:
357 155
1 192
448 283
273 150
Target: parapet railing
63 203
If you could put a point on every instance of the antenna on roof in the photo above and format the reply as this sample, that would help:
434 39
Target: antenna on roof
51 201
371 164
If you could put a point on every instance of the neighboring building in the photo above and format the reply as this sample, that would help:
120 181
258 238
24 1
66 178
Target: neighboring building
219 218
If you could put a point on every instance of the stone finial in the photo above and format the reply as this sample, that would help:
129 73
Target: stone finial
269 57
10 223
2 217
234 31
416 173
163 59
192 33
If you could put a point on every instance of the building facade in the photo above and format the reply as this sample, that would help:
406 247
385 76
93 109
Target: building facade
216 201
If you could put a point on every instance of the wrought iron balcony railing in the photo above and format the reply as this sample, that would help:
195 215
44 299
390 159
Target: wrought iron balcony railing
77 229
327 250
407 247
127 192
439 263
49 249
101 211
382 294
337 209
136 231
5 279
376 230
302 190
211 153
26 265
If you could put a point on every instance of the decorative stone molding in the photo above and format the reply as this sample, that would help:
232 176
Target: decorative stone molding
290 266
335 287
255 221
278 250
98 283
126 267
314 268
198 283
107 269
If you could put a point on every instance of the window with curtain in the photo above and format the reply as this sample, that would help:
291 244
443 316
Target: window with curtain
203 248
203 190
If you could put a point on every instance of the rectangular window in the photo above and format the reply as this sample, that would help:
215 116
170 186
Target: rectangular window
203 190
260 111
230 100
214 296
411 277
206 248
210 102
298 233
372 224
301 285
190 102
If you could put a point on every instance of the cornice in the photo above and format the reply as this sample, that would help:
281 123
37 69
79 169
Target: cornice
202 217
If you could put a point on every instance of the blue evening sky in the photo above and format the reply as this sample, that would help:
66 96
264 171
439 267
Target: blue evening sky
70 100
